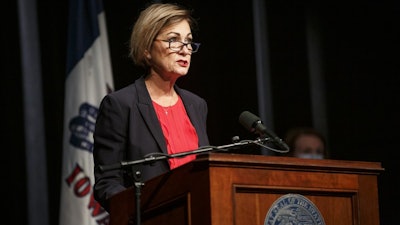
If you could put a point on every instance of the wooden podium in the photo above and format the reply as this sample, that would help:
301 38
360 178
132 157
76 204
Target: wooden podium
236 189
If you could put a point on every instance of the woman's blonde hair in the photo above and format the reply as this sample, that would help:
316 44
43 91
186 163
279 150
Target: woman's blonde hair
148 25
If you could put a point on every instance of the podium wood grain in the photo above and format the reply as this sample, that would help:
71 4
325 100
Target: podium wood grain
237 189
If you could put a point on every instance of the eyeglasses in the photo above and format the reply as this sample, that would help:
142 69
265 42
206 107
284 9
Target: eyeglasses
176 46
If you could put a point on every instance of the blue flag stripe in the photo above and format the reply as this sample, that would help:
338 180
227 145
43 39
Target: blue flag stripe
83 29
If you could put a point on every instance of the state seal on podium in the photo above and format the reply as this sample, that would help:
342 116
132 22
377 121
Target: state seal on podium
293 209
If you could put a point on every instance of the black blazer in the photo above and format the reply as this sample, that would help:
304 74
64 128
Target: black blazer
127 128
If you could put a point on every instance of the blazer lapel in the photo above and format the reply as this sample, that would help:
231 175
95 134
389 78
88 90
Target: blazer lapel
149 115
190 110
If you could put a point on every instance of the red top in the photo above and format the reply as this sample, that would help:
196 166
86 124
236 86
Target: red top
179 132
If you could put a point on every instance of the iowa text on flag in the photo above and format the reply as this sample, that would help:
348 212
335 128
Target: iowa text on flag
88 80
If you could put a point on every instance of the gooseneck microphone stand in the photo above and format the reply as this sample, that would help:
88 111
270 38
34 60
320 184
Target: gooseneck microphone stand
151 158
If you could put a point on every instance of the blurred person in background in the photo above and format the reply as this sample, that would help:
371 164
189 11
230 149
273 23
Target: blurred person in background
306 142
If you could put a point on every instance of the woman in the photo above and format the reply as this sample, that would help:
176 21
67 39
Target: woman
152 115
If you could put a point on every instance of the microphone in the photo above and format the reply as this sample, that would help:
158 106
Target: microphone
254 124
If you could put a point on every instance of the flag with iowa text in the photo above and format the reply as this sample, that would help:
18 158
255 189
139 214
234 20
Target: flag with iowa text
88 80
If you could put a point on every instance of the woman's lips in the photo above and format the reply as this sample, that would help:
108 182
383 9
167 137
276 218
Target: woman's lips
183 63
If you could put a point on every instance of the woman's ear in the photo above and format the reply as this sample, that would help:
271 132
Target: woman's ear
147 54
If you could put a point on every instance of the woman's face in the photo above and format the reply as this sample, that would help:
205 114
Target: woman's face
171 63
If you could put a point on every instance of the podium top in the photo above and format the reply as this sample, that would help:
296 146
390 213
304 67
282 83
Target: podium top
289 163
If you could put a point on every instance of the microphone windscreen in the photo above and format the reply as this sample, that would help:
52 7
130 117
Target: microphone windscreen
247 120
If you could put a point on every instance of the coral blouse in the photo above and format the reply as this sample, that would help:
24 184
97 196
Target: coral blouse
179 133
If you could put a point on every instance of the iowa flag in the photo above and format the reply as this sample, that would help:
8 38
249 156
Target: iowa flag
88 80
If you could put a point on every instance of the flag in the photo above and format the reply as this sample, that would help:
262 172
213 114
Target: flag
88 80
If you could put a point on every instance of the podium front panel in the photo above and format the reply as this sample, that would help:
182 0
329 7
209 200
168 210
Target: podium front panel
234 189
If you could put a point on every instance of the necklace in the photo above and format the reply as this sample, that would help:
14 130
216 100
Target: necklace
167 108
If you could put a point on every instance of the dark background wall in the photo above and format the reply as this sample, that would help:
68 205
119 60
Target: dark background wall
360 45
